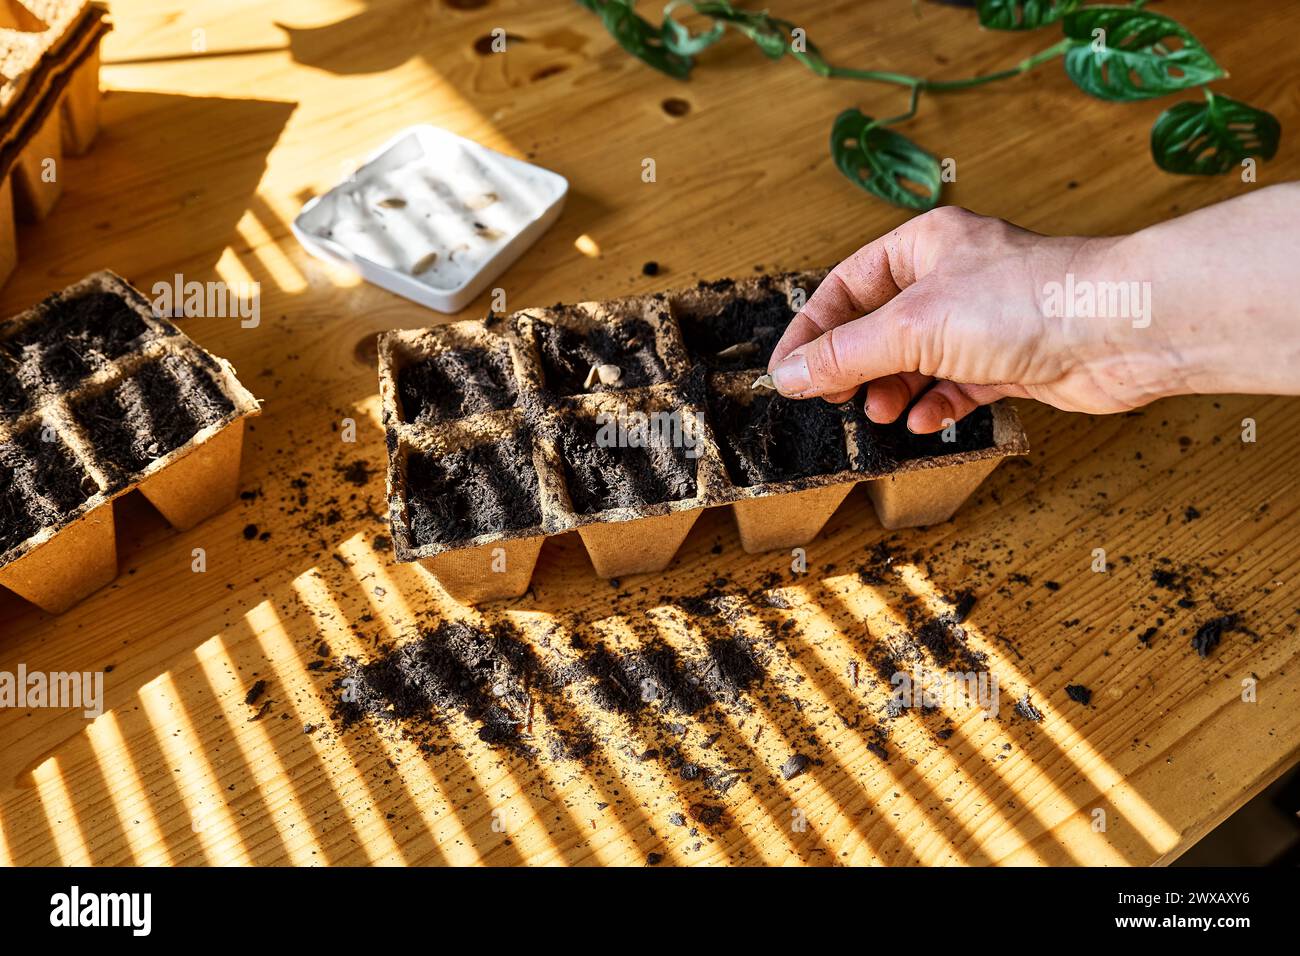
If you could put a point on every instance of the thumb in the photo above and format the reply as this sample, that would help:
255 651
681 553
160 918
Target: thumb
890 340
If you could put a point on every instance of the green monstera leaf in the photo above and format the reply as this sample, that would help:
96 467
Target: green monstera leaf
1023 14
1212 138
1122 53
640 37
885 163
681 41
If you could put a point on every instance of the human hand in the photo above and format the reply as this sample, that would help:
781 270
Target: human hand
957 308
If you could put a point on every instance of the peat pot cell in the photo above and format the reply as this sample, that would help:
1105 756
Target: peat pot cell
765 438
70 339
884 447
739 334
487 488
41 483
161 407
457 383
569 354
628 459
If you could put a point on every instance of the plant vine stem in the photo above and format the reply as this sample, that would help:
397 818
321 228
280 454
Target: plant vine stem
902 117
921 83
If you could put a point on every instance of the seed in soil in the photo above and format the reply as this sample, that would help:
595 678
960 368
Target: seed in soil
40 483
457 383
155 411
483 489
753 325
770 438
568 355
603 474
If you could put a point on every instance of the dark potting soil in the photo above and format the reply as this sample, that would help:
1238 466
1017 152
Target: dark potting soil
493 676
13 397
885 446
155 411
771 438
452 668
601 474
457 383
568 355
1208 635
1079 694
40 483
756 325
483 489
75 337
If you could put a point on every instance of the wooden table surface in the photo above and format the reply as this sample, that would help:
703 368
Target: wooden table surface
221 118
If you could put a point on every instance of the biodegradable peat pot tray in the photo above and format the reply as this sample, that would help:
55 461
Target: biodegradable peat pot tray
623 420
98 396
49 104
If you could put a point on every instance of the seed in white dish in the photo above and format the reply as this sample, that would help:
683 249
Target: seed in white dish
424 264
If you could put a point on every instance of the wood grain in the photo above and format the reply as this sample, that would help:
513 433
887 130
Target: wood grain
205 157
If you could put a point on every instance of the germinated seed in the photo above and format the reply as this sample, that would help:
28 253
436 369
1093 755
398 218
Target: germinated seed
764 381
609 374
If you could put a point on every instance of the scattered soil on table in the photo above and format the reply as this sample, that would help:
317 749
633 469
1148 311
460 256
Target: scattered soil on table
759 323
74 338
40 483
495 678
568 354
1079 694
600 475
457 383
487 488
155 411
770 438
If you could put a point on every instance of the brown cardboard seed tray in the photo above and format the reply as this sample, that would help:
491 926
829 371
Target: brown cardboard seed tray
98 397
49 105
498 438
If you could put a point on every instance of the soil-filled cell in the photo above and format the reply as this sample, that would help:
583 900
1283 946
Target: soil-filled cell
75 337
457 383
41 482
739 336
768 439
484 489
884 447
568 355
627 461
155 411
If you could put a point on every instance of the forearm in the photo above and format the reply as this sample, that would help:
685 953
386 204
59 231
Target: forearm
1224 293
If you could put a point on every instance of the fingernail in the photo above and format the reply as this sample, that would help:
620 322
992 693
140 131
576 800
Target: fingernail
791 376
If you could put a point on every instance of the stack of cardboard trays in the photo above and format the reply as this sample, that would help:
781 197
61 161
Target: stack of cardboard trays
49 104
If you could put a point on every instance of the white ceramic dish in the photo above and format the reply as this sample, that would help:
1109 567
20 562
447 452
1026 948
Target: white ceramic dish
433 216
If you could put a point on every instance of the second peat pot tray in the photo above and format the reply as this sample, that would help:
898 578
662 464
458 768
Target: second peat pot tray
98 397
623 420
